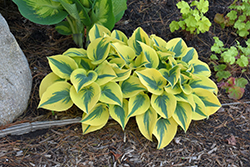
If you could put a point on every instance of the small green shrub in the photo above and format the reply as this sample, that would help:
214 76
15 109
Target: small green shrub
163 84
193 20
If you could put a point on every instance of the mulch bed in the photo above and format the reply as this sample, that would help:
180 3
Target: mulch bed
221 140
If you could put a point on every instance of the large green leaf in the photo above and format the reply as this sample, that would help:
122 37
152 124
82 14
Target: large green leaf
56 97
125 52
97 31
138 104
118 7
152 80
62 66
111 94
87 97
41 12
146 122
105 73
164 104
164 131
172 75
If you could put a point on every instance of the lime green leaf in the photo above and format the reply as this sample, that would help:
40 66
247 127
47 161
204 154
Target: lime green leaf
132 86
98 50
174 26
164 131
183 6
125 52
209 99
47 81
62 66
200 111
164 104
204 83
200 68
105 73
87 97
178 46
111 94
75 52
97 31
119 35
146 122
81 78
56 97
242 61
99 115
152 80
172 75
183 115
120 113
138 104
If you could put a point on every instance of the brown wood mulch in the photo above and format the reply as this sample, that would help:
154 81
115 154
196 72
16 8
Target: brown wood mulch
221 140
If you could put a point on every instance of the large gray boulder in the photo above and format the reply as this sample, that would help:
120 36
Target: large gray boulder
15 76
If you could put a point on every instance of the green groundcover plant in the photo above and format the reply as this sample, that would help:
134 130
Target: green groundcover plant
193 19
73 16
162 84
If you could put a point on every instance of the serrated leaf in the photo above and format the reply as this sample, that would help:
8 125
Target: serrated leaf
174 26
105 73
183 6
242 61
138 104
97 31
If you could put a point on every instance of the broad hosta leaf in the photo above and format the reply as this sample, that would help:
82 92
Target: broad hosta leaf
125 52
164 104
119 35
152 79
87 97
191 54
81 78
122 74
164 131
47 81
209 99
178 46
105 73
118 7
62 66
204 83
151 55
200 68
120 113
164 56
90 128
200 111
84 63
99 115
139 61
138 104
138 35
111 94
98 50
183 115
118 61
146 122
97 31
186 98
56 97
172 75
132 86
75 52
158 42
175 90
186 88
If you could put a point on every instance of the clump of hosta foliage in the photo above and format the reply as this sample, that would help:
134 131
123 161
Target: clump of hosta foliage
193 18
162 84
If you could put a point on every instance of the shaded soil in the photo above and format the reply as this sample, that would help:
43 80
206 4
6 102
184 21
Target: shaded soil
222 140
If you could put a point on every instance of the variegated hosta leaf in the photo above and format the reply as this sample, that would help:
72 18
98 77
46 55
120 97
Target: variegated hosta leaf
146 122
99 115
164 131
172 75
111 94
120 113
81 78
200 111
172 61
119 35
87 97
186 98
165 55
47 81
105 73
183 114
204 83
200 68
97 31
152 79
186 88
122 74
131 87
209 99
75 52
175 90
139 61
56 97
158 42
125 52
178 46
84 63
90 128
62 66
150 55
138 35
98 50
164 104
138 104
191 54
118 62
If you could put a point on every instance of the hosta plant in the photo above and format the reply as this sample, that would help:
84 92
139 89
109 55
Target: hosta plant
193 19
162 84
73 17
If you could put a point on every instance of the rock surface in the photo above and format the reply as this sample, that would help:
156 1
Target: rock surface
15 76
